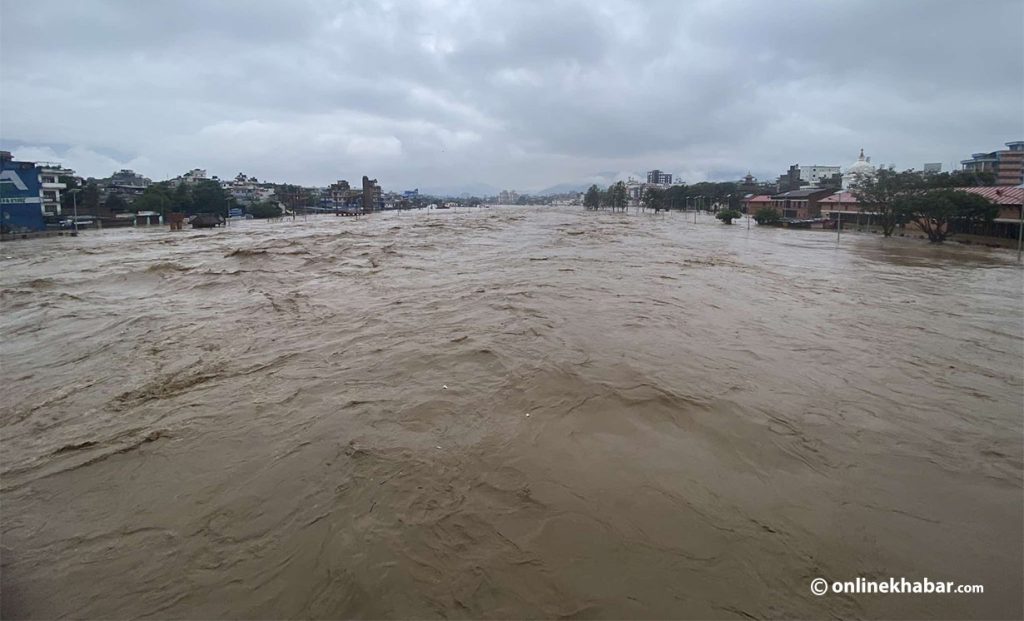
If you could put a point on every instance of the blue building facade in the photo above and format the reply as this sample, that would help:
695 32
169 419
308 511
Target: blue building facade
20 197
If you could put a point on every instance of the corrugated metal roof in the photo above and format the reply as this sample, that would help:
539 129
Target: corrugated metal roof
846 197
762 198
1000 194
805 193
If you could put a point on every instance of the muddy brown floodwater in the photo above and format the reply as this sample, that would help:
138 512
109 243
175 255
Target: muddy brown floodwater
644 418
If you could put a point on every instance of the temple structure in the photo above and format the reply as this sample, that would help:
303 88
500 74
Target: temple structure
858 170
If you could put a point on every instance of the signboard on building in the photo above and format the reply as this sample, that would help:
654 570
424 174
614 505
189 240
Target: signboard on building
20 201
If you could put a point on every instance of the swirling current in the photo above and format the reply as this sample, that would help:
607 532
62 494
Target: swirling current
511 412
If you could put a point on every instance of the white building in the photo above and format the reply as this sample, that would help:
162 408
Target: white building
192 177
248 190
858 170
635 190
815 175
51 186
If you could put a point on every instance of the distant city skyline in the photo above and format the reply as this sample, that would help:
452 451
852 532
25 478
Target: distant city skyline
530 96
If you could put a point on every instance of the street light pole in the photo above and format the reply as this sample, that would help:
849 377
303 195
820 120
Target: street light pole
74 213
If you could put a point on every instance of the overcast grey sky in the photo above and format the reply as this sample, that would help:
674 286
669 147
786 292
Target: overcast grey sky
513 94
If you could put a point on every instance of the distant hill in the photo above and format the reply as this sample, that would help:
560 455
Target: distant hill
562 188
455 191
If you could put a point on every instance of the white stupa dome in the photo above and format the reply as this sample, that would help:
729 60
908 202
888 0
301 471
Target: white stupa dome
861 168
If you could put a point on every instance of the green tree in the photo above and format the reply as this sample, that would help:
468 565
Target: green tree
617 196
67 197
592 199
767 215
209 197
289 195
89 201
264 209
935 211
728 215
156 198
181 199
960 179
115 203
653 198
886 196
676 196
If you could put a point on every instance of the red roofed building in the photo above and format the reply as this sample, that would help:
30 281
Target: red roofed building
752 203
1009 198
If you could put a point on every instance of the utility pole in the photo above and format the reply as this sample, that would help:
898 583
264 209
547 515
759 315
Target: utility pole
1020 232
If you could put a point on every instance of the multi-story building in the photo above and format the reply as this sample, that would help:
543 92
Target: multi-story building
801 204
373 200
21 196
341 195
127 184
52 176
248 190
819 176
656 177
1007 165
129 178
816 176
30 192
192 177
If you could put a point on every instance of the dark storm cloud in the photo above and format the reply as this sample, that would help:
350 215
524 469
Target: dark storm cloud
513 94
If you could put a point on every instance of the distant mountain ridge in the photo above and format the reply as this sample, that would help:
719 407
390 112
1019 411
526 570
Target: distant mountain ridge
468 189
563 188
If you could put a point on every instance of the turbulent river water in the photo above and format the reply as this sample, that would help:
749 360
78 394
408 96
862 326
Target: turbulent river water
507 413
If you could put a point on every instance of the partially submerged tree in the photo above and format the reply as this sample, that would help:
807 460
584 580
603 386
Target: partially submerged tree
935 211
653 198
264 209
617 198
767 215
886 196
592 199
728 215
